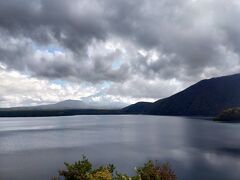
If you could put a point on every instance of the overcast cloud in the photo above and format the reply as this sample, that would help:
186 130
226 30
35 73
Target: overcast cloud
117 51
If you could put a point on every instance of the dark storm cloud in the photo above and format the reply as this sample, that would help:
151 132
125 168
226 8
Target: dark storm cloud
46 20
21 57
70 25
99 69
192 39
197 33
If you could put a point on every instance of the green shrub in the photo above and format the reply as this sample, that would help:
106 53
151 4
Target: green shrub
82 170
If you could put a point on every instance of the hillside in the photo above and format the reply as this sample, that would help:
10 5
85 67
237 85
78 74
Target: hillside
207 97
229 115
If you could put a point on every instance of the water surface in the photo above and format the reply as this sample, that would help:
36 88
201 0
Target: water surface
35 148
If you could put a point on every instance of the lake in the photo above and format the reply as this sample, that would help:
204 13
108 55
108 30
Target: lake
197 148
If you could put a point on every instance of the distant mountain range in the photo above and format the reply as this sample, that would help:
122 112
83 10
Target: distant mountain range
206 98
63 108
77 104
63 105
67 104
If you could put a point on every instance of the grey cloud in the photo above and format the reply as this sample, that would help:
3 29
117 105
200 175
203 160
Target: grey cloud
193 32
2 99
21 57
46 20
138 87
62 23
194 39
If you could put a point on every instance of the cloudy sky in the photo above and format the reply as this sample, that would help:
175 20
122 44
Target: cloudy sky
113 50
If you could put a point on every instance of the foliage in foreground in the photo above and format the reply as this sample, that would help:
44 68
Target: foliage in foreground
82 170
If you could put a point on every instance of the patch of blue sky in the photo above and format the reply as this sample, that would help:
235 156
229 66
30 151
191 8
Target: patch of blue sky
100 85
106 84
117 64
58 82
50 48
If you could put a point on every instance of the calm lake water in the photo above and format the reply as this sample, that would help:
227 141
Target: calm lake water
197 149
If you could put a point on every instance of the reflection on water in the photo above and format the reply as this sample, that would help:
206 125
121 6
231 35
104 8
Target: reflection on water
35 148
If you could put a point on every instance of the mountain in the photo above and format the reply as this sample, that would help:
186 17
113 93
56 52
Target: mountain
71 104
67 104
138 108
205 98
63 105
76 104
63 108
